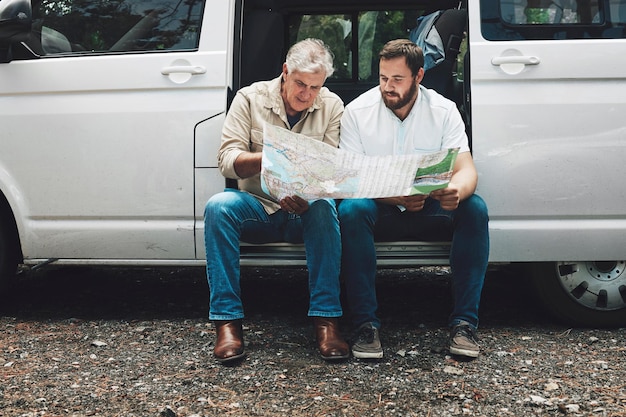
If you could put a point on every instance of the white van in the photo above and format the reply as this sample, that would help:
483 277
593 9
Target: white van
111 111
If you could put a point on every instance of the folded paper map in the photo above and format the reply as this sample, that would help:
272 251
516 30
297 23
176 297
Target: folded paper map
294 164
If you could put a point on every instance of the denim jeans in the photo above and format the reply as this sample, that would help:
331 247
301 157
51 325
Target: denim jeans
233 216
363 221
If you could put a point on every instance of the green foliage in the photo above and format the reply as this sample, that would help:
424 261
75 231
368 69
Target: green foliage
375 28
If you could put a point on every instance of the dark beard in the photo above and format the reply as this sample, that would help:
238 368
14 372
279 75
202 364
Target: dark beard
403 100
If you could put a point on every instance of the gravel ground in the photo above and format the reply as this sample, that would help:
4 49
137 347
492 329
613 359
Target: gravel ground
136 342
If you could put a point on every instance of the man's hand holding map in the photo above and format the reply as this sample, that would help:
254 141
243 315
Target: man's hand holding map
294 164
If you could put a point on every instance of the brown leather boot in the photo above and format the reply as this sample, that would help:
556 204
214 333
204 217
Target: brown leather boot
331 345
229 343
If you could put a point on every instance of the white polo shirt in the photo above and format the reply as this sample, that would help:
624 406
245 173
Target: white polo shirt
434 123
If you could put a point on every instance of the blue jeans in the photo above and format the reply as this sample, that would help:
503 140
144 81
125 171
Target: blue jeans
363 221
233 216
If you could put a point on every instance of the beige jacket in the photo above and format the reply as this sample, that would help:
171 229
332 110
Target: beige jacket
243 128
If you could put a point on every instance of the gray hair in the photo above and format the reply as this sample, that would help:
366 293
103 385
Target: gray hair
311 56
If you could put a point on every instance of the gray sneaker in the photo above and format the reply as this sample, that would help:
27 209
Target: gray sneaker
366 343
463 340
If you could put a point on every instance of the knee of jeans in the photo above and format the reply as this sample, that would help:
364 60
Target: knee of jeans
219 202
323 204
356 209
476 207
321 209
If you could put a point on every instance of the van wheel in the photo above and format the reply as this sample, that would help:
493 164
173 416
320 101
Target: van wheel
8 257
588 294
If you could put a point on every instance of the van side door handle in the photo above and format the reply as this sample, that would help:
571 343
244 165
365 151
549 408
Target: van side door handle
184 69
515 59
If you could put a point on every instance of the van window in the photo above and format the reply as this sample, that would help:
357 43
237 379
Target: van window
355 37
553 19
87 27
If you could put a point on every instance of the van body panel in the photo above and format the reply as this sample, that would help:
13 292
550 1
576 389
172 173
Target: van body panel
118 182
548 140
137 157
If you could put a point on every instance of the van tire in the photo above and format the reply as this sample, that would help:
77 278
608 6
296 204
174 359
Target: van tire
583 294
9 253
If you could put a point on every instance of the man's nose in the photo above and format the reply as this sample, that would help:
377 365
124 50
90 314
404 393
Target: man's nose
307 93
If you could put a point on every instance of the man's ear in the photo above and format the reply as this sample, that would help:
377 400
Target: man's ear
420 75
285 71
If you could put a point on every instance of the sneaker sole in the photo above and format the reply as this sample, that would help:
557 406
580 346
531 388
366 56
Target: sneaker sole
464 352
367 355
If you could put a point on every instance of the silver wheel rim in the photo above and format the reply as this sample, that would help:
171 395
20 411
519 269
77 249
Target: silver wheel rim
599 285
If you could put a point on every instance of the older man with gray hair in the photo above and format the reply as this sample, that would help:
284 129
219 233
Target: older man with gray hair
295 100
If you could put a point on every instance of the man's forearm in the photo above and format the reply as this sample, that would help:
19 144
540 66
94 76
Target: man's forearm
248 164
